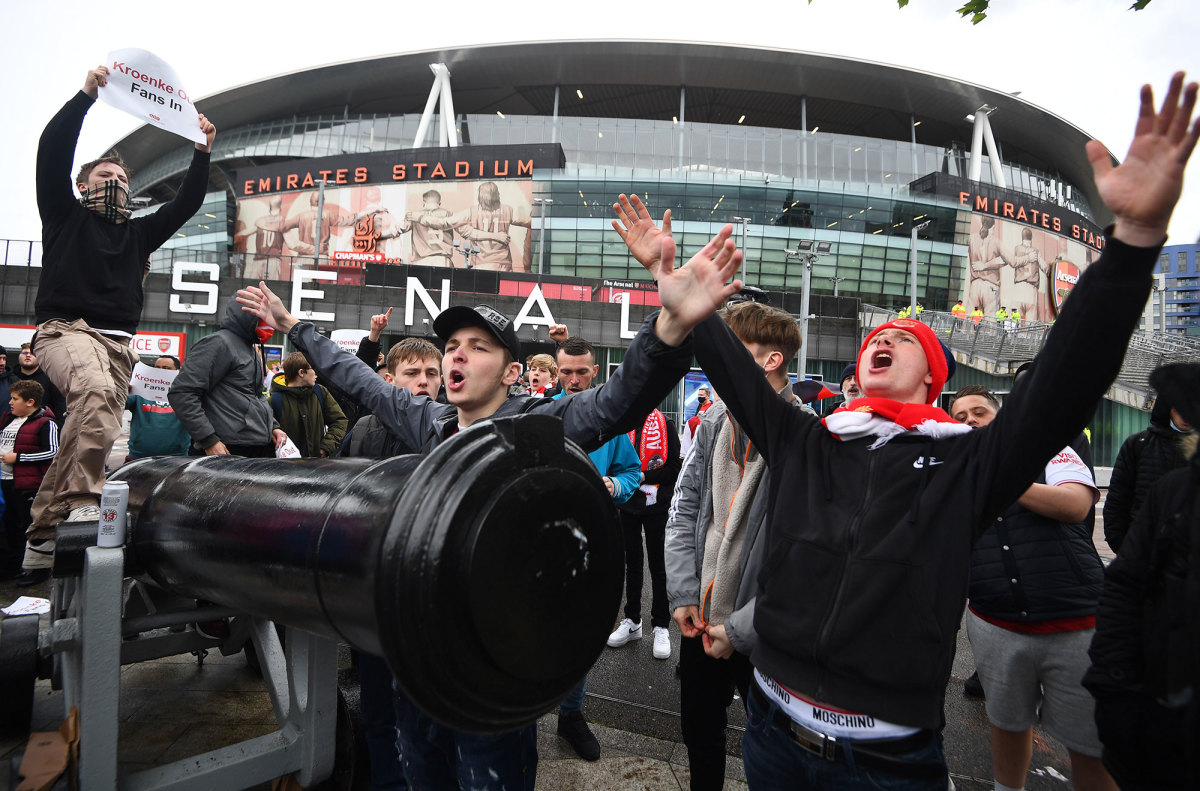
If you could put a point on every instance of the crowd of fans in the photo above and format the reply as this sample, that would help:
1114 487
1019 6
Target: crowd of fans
817 565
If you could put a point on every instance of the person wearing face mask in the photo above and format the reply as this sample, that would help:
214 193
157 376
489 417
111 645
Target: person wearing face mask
1144 458
94 258
218 396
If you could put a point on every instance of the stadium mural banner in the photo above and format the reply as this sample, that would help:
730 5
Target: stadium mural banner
1014 265
482 224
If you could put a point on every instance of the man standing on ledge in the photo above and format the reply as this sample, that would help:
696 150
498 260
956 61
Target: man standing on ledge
88 305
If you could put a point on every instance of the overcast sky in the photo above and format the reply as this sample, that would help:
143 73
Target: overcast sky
1083 60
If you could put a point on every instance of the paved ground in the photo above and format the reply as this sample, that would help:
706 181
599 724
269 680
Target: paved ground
174 707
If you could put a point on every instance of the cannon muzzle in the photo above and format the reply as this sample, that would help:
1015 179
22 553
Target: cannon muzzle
486 573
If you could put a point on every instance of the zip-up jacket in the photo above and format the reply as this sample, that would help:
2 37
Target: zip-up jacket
591 418
92 269
217 395
36 446
687 526
868 550
1144 458
313 421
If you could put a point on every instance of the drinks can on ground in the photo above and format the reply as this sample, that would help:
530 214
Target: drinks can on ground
114 501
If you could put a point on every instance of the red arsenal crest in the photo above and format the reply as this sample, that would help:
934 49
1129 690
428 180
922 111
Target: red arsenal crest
164 345
1064 276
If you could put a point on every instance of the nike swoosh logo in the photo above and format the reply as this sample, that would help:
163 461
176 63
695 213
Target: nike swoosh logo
920 462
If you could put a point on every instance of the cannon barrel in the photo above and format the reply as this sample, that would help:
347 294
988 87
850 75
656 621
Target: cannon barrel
486 573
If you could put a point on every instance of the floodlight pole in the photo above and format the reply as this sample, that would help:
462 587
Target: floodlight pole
745 221
912 308
807 259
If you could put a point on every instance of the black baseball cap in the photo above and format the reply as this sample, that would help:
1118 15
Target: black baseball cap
454 318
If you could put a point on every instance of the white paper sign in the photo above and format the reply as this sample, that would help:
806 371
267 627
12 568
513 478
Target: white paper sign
348 339
145 86
27 605
151 383
287 450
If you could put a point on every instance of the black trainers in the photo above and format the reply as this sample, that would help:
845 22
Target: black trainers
972 688
574 728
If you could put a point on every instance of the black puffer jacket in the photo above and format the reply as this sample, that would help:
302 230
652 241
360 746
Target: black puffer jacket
1143 459
1030 568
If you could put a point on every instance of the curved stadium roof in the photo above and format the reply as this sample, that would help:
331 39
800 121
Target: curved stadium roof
636 79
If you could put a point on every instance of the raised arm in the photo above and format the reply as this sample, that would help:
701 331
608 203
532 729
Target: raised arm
406 415
56 149
1084 351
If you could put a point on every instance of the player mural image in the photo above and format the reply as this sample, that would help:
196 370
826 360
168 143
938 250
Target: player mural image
1021 267
478 224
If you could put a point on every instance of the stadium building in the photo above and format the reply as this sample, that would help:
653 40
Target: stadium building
487 174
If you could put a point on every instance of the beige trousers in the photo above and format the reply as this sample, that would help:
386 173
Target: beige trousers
93 372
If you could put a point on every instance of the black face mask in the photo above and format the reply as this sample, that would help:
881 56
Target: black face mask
108 199
700 399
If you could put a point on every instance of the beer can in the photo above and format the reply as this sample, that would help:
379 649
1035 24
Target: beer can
114 502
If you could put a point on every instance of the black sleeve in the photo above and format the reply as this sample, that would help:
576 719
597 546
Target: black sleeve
56 154
1118 503
162 224
767 418
1116 650
368 351
1077 364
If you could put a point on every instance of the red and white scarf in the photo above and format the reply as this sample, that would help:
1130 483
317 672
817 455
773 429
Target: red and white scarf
885 418
652 449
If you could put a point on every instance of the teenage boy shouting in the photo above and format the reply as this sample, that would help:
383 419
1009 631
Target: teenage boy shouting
874 510
479 367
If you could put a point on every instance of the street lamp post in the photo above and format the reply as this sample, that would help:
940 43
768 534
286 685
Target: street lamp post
835 281
912 308
545 203
808 255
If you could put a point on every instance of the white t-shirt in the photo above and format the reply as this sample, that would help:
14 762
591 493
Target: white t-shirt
1067 467
8 441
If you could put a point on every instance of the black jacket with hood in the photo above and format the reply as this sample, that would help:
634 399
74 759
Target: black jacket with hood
1144 458
218 393
862 592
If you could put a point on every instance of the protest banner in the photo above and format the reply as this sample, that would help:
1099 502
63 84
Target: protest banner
348 339
151 383
145 86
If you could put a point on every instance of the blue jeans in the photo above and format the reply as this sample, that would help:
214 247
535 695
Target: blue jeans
574 701
377 702
774 761
437 758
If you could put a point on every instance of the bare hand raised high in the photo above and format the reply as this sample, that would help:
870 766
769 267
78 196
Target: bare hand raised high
1143 190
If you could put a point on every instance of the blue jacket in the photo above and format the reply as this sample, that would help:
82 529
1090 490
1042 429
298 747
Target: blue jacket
619 461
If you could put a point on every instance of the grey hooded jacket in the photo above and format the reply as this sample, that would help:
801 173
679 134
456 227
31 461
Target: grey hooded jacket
218 393
649 371
691 514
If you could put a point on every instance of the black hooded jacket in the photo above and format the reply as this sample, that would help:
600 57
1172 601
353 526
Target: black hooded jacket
218 394
1143 459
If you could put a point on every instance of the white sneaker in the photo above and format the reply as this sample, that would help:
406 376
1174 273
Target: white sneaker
84 513
628 630
662 643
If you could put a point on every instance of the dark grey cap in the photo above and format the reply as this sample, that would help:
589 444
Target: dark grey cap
452 319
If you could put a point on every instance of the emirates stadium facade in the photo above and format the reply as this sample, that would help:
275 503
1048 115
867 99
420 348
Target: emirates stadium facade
507 197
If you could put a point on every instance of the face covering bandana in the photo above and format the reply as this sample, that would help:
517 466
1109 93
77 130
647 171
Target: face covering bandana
108 199
264 332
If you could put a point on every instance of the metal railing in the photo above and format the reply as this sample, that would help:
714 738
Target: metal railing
1006 346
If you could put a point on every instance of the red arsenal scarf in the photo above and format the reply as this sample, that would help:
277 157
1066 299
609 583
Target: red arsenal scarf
885 418
653 448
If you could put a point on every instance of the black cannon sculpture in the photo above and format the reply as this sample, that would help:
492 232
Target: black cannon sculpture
487 573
